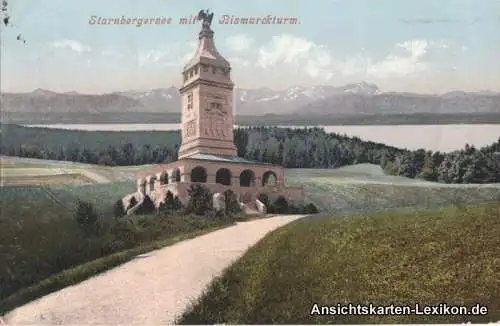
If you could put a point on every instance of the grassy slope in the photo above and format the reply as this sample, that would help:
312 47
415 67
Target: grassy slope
327 188
14 168
428 257
90 268
25 201
365 188
351 189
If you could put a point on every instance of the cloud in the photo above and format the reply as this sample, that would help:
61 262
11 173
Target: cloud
285 48
409 63
108 53
430 21
176 54
239 42
152 57
71 45
441 44
318 62
240 62
440 21
189 52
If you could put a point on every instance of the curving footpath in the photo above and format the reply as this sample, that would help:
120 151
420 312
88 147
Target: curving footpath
155 287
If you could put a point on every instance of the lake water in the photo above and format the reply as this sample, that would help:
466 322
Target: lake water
430 137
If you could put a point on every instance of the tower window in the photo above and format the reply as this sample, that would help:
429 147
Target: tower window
196 70
205 68
190 101
214 70
214 105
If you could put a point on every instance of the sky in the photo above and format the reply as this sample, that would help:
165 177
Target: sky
425 46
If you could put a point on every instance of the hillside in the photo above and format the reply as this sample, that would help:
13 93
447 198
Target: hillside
364 188
43 211
392 103
351 99
48 102
426 257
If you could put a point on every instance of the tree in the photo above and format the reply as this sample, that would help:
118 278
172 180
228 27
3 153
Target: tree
310 209
147 206
200 200
119 209
170 203
429 170
264 199
85 214
232 203
280 206
105 159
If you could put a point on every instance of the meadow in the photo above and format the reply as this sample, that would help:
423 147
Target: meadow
364 188
448 255
38 231
346 190
44 248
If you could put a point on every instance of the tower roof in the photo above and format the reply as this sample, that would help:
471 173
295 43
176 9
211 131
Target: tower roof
207 52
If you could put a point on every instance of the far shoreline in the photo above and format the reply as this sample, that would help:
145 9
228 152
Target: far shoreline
38 118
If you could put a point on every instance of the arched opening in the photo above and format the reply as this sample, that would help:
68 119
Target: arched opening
152 183
176 175
269 179
198 174
223 176
247 178
164 178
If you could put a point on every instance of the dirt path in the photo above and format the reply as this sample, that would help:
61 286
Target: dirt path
153 288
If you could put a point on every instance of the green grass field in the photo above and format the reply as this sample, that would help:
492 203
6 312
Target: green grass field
23 171
365 188
449 255
54 201
343 191
43 212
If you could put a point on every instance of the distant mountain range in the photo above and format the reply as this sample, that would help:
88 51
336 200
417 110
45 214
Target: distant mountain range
358 98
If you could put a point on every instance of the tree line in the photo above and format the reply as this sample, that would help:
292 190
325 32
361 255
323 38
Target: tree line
289 147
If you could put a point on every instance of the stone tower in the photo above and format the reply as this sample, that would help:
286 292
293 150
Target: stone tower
207 102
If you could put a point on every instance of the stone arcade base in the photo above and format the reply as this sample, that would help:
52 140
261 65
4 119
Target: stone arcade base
247 179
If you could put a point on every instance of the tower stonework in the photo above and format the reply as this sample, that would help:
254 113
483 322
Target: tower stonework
207 102
208 155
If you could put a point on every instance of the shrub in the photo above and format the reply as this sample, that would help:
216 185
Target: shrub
200 200
232 203
172 202
311 209
292 209
177 203
147 206
119 209
264 199
163 208
85 213
280 206
169 197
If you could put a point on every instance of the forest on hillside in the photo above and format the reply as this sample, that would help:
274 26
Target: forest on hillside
291 148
